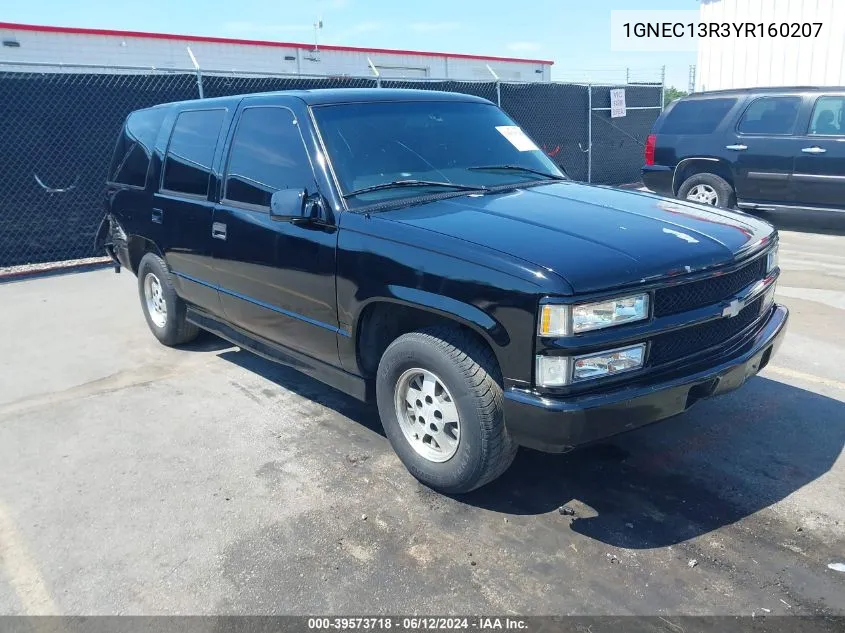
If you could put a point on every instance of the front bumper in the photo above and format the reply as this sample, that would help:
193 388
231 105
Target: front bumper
557 426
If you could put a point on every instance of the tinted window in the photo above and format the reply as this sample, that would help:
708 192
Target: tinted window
191 151
135 146
267 155
696 116
828 116
770 115
457 142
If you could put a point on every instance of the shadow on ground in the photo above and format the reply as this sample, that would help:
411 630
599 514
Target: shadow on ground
723 460
804 221
364 414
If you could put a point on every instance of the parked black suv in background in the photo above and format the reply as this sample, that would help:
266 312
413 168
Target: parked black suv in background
418 249
762 148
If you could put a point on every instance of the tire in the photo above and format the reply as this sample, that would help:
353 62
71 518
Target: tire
711 184
480 446
168 325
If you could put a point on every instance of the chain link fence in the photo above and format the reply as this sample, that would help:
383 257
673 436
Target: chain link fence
59 127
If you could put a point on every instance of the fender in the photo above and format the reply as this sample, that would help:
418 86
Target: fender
465 313
676 185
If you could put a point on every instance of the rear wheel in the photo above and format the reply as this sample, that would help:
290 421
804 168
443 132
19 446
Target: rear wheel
440 400
164 310
708 189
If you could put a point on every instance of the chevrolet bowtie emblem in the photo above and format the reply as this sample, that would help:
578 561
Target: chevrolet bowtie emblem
733 308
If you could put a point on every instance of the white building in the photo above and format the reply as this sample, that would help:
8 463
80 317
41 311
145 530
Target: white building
51 45
752 61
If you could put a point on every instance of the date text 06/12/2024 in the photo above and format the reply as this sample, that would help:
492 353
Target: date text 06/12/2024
417 623
722 29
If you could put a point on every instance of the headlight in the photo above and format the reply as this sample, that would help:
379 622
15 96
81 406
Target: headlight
563 320
772 259
558 371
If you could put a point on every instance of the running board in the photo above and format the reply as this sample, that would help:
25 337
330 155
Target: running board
350 384
753 206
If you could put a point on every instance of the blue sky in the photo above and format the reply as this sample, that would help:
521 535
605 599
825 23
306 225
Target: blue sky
573 33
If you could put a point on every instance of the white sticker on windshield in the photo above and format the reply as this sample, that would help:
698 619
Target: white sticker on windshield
517 138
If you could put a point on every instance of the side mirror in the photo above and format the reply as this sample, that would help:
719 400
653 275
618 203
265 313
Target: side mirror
288 204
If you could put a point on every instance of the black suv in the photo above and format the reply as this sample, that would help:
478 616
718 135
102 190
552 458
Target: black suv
762 148
416 248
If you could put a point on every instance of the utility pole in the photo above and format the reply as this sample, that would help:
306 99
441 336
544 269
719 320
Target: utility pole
318 25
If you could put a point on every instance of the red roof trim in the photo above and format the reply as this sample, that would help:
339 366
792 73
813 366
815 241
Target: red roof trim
228 40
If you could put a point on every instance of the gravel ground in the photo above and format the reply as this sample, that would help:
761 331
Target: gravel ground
51 267
138 479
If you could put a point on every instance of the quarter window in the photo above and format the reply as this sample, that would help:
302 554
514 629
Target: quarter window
770 115
135 147
191 151
828 116
267 155
696 116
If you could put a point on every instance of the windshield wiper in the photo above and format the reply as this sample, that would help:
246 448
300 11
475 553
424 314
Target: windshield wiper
414 183
527 170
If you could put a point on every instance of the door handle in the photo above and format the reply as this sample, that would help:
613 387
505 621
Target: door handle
218 231
815 149
158 216
737 148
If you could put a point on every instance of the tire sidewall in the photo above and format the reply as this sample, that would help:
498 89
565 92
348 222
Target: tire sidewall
153 264
466 464
723 189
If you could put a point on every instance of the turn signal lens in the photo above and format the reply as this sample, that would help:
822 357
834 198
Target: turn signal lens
772 260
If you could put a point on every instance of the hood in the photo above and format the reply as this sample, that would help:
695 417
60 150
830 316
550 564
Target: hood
595 238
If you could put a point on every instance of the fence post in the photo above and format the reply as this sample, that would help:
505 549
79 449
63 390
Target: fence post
198 71
589 133
375 72
498 86
662 88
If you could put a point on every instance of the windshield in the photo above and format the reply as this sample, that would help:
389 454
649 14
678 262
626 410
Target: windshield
433 144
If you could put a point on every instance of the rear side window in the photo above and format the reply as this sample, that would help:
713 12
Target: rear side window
267 155
828 116
696 116
135 146
770 115
191 151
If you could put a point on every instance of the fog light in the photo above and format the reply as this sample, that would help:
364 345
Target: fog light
768 298
608 363
558 371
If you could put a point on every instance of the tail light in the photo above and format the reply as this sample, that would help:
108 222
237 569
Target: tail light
650 142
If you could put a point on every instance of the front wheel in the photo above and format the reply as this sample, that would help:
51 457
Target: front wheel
708 189
440 400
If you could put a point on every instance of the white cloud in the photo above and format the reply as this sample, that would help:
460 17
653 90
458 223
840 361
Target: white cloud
429 27
523 47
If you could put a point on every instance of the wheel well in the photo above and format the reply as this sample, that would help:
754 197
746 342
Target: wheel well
383 322
138 247
700 166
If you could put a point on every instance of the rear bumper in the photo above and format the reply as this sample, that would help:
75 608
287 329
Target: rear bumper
658 178
560 425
